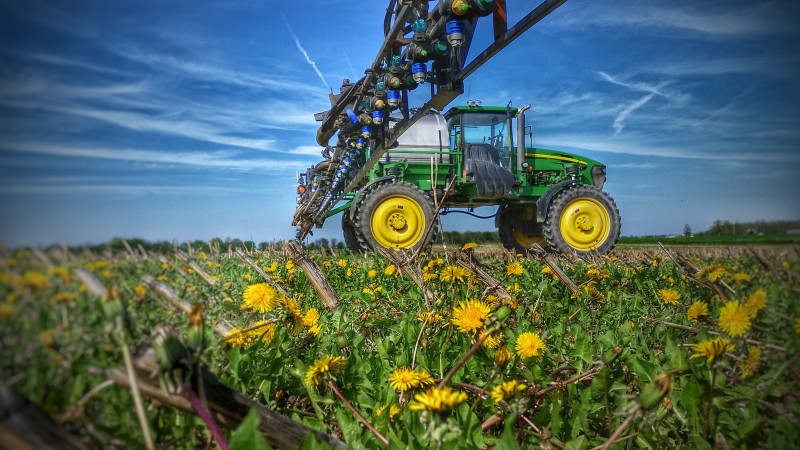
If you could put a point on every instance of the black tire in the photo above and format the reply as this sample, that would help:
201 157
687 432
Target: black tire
513 221
395 215
582 219
350 234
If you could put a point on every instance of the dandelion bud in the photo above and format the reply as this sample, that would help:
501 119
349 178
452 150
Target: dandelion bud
168 349
196 329
502 356
112 305
655 391
612 354
503 313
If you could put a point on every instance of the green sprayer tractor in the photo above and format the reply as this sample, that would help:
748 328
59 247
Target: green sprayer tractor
393 168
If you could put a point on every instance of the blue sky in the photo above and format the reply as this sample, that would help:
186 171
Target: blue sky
188 120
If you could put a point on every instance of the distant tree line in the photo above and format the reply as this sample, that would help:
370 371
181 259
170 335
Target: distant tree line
718 228
771 228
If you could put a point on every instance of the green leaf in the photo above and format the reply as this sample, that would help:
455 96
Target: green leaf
690 399
582 349
247 436
508 440
579 443
699 443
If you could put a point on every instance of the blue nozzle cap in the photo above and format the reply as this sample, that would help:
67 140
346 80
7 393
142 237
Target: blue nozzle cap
418 67
377 114
393 94
454 26
353 117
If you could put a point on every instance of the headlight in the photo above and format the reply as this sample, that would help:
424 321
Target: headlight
599 176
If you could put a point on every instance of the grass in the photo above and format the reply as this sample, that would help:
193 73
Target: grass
622 358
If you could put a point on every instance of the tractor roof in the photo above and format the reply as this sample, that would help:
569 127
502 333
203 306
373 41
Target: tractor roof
476 109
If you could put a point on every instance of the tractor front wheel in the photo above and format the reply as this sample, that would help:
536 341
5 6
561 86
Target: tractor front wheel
397 215
582 219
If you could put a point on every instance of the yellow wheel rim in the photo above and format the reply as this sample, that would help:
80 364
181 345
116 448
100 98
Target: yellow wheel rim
585 223
526 240
398 222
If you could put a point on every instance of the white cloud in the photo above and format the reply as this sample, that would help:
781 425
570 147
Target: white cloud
217 159
746 19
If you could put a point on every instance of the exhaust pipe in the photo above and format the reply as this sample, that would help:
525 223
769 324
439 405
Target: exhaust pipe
521 136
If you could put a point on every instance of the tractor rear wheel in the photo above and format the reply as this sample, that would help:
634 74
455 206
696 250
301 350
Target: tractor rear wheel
395 215
515 228
582 219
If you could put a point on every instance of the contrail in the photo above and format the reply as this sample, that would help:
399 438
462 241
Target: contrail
347 58
305 53
619 122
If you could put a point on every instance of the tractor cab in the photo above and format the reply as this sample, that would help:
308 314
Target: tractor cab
483 136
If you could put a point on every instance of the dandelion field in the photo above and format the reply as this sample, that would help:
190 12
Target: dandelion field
649 348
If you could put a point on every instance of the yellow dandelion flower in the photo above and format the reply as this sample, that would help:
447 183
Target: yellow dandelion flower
36 281
247 277
140 291
372 273
529 344
438 262
502 356
492 340
514 268
548 271
696 311
342 263
405 378
711 273
64 297
6 310
263 330
741 276
453 273
237 338
437 400
712 348
430 317
48 337
202 256
161 278
290 266
597 273
468 246
507 389
311 318
260 298
322 369
272 268
750 364
349 271
469 316
295 317
326 263
428 276
669 296
393 411
755 303
591 290
390 269
61 272
734 319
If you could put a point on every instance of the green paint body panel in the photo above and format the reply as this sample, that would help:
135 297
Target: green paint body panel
431 169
